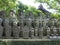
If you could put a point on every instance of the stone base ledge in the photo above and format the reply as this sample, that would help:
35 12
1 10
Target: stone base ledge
29 40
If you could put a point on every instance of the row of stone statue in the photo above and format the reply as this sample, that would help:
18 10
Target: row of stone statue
28 26
8 31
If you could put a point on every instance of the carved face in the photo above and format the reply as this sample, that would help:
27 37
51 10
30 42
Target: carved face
11 13
2 13
0 21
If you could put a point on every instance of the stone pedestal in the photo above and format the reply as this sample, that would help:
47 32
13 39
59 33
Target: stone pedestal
55 31
36 32
41 32
32 33
21 31
8 31
16 31
48 32
25 31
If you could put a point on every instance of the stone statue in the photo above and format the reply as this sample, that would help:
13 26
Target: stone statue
2 15
48 32
40 32
36 32
13 22
16 30
26 32
7 28
54 30
13 17
1 28
32 32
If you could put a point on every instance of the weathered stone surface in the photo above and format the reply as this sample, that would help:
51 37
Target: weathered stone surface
7 28
1 28
26 32
32 32
54 30
36 32
16 31
29 26
48 32
41 32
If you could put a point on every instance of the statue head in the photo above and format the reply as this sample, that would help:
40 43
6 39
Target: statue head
12 12
2 13
20 12
1 21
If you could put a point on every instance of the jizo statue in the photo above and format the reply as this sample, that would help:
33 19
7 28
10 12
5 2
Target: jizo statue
1 28
13 17
13 22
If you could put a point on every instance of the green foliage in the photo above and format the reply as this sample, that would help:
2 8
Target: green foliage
28 9
7 4
53 4
22 7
